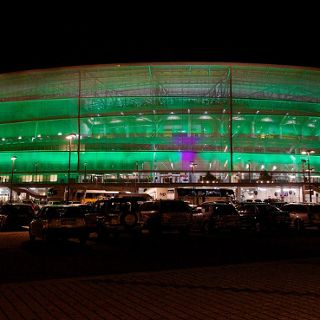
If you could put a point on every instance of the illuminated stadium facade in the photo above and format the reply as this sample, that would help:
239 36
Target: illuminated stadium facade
161 123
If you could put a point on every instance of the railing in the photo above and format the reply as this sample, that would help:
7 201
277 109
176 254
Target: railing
156 178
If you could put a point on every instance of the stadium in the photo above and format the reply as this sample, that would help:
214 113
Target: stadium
254 128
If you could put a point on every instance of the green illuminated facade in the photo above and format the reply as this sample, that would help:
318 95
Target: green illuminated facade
158 119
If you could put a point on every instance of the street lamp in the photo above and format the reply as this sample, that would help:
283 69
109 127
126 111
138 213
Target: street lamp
69 138
308 152
13 158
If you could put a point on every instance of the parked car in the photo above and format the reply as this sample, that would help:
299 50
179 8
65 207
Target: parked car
275 202
215 216
55 202
59 222
15 215
136 196
163 215
303 215
262 217
117 215
34 205
90 216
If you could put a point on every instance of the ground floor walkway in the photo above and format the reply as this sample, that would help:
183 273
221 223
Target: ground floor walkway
274 290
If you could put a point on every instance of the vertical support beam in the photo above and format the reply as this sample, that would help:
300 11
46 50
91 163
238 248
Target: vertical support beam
230 120
79 123
304 181
69 168
309 179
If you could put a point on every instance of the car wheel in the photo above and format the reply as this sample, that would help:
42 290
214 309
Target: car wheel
129 219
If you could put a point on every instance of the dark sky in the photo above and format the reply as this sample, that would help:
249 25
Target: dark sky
45 43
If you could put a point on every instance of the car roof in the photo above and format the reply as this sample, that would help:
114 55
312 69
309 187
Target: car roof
57 206
18 204
216 203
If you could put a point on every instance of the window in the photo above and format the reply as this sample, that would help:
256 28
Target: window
27 178
249 209
223 210
53 178
39 178
4 178
149 206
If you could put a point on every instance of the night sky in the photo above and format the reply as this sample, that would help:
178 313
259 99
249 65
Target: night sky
46 43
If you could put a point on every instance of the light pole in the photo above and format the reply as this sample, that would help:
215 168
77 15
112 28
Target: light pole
13 158
69 138
137 169
36 171
249 169
308 152
85 172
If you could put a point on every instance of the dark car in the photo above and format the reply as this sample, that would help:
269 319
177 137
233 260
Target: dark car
16 215
59 222
215 216
163 215
262 217
117 215
303 215
275 202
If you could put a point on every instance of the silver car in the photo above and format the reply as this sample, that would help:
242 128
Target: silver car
59 222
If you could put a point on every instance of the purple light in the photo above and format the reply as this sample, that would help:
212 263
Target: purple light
186 158
186 142
183 139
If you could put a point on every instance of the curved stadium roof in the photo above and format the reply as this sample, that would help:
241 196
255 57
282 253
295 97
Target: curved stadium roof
159 117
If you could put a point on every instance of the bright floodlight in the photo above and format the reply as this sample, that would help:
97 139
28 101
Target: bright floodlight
308 152
71 136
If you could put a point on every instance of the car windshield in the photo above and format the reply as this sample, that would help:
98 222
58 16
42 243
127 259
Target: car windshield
268 209
65 212
72 212
246 209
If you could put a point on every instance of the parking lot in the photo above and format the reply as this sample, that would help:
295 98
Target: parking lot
22 260
168 277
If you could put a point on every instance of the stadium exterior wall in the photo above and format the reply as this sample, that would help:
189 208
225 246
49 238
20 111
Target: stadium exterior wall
153 121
